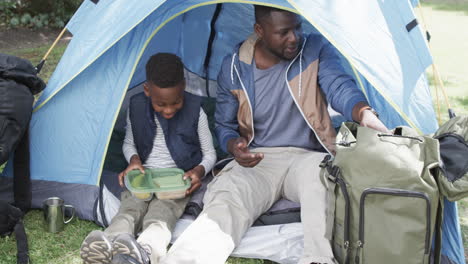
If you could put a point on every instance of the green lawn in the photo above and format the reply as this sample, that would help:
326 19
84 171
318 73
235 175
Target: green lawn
449 46
35 55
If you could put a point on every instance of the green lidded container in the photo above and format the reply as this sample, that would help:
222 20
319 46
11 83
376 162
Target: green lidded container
166 183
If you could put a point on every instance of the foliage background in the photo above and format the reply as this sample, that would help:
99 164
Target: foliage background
37 13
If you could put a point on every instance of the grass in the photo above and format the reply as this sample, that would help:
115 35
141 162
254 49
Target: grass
451 5
48 248
35 55
63 248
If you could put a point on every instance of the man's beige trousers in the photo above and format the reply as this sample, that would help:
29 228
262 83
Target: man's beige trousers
238 195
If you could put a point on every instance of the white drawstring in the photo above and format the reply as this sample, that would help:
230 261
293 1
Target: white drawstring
232 67
300 68
300 74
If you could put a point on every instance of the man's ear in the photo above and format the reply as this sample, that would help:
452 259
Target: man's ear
258 30
184 84
146 89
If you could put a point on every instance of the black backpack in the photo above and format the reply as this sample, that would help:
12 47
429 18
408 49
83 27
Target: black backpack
18 83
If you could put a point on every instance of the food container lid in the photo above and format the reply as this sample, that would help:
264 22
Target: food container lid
156 180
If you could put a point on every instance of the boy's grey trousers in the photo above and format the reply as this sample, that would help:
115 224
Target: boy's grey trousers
155 219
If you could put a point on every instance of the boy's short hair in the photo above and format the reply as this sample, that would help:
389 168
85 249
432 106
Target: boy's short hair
262 12
164 70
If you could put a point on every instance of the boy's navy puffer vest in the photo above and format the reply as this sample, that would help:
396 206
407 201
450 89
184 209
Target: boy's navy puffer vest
180 132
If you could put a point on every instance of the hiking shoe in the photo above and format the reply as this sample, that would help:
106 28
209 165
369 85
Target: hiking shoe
125 244
96 248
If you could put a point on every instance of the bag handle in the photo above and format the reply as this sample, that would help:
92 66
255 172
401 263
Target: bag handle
438 232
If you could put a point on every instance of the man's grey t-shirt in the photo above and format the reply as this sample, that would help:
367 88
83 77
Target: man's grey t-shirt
277 120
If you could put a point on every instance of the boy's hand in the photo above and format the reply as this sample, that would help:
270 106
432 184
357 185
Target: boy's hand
238 148
195 174
135 164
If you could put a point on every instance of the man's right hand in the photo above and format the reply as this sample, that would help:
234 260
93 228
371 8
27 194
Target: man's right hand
238 148
135 164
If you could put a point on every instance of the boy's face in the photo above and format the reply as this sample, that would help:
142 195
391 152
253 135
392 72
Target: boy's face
166 101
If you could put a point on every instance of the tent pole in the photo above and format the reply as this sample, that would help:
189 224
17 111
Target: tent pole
437 96
41 63
437 78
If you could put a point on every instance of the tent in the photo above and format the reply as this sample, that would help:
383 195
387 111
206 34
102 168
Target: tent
381 45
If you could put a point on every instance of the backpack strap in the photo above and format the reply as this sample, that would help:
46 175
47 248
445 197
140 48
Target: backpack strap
22 256
333 177
438 232
21 170
330 185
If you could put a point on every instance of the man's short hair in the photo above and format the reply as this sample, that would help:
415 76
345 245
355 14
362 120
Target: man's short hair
164 70
262 12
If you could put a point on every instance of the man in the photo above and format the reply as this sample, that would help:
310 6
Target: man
272 117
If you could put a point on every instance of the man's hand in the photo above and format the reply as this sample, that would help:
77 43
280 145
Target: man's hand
370 120
238 148
195 174
135 164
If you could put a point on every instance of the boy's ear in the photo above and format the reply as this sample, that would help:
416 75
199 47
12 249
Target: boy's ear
146 89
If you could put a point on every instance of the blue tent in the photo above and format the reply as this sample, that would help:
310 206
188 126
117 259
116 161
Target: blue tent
380 42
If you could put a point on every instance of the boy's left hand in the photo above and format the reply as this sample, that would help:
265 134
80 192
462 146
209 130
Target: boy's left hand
195 174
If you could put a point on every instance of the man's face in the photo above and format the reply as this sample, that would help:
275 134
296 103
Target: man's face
166 101
281 33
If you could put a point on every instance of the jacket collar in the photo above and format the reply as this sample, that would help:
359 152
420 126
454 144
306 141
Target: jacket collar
246 50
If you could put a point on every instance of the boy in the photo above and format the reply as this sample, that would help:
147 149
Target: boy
166 128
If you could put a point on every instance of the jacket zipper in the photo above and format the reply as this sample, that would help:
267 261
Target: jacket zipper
394 192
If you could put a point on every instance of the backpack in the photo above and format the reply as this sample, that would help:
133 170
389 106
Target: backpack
383 198
18 83
453 140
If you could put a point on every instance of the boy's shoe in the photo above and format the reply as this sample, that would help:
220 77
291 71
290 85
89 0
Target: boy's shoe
96 248
123 259
125 244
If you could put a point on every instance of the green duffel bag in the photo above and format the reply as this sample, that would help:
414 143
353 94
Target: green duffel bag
453 140
383 198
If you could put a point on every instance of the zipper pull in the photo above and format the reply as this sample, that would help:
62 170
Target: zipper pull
358 251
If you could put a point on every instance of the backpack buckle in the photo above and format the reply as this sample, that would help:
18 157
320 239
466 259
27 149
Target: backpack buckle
332 178
326 162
